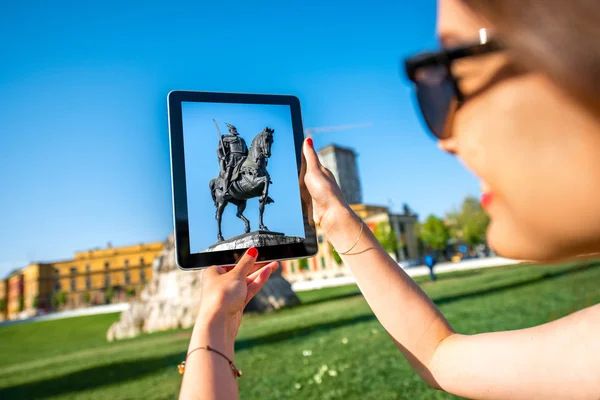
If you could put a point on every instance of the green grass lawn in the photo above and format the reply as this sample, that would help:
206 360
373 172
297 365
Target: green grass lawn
330 347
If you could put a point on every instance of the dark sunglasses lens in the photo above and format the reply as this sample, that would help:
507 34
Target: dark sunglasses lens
436 95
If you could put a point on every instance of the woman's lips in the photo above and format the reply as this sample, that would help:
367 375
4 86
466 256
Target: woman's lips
486 199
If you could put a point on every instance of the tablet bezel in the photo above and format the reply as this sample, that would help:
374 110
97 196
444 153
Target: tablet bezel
189 261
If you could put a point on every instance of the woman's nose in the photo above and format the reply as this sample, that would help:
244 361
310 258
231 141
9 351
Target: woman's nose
449 145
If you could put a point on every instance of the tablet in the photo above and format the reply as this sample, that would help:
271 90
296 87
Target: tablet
236 172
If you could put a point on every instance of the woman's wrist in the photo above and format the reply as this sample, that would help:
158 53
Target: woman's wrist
342 226
212 329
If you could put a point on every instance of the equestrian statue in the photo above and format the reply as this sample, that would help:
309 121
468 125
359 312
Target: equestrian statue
243 174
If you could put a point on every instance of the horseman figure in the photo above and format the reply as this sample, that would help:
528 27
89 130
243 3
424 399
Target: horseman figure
243 175
232 151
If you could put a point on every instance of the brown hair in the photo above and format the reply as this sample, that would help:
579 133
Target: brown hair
559 37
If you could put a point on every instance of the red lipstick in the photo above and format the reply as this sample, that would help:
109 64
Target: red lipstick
486 199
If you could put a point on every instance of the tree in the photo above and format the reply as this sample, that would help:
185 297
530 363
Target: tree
470 223
2 305
86 297
59 299
434 233
21 303
130 292
36 302
336 256
303 264
386 237
109 294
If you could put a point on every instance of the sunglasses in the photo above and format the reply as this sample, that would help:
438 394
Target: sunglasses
437 88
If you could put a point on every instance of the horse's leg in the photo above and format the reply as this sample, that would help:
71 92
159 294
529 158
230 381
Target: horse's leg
240 211
261 203
220 208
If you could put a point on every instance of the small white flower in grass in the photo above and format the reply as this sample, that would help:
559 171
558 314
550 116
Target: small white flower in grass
323 368
332 372
306 353
374 331
298 386
345 340
318 379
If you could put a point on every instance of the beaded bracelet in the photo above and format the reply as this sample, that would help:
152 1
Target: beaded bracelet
236 372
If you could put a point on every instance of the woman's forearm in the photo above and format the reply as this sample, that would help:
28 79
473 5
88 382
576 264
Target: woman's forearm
208 375
409 316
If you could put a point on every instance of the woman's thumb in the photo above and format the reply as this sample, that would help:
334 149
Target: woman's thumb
312 160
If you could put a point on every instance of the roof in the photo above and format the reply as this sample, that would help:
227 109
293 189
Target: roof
333 147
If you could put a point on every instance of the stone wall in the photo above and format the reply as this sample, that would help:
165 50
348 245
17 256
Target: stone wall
171 300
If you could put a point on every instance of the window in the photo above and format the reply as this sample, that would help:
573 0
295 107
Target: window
106 274
87 268
88 282
127 277
57 286
142 261
73 271
126 263
402 228
323 262
142 275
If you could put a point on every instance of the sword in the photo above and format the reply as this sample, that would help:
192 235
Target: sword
220 138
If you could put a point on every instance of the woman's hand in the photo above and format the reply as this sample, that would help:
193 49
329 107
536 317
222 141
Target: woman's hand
326 201
227 290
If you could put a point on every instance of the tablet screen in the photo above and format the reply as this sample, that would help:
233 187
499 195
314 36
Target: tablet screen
231 151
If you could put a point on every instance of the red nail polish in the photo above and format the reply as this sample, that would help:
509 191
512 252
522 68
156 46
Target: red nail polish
309 141
252 252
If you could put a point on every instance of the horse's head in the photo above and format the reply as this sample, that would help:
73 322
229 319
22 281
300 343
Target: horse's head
264 140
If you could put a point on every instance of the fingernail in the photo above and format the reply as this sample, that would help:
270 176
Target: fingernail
252 252
309 142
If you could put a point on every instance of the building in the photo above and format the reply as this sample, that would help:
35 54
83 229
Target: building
342 163
3 298
324 264
91 277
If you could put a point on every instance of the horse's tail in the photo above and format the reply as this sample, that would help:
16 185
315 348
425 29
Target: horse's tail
211 185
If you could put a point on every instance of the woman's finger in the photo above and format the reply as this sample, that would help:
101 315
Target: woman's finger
245 264
312 160
256 267
274 265
258 282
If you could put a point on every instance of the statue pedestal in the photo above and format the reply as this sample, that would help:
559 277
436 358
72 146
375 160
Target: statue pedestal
172 298
254 239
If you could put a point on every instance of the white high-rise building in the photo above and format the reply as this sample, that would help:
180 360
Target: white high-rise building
341 161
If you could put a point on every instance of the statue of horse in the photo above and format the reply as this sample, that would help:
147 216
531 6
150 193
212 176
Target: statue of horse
252 181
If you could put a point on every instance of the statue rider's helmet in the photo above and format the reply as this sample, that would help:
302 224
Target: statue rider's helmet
232 129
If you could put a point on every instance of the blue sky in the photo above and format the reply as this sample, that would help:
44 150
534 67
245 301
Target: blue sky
84 140
201 165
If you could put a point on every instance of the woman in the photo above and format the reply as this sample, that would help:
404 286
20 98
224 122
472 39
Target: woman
518 104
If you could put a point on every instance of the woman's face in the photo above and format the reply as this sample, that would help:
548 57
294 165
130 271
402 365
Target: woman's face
536 151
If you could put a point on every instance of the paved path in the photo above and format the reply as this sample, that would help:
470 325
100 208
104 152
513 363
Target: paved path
296 286
104 309
412 271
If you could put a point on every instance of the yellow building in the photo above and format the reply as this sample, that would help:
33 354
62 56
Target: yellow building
92 277
3 298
